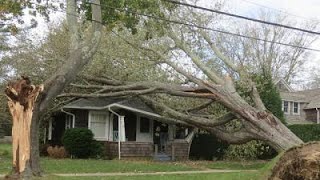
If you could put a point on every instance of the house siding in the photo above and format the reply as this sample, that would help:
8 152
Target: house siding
300 118
311 115
144 137
181 149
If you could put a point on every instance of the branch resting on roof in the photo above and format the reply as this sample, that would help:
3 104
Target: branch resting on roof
194 120
140 88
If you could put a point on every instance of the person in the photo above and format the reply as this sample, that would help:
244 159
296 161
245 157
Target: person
157 136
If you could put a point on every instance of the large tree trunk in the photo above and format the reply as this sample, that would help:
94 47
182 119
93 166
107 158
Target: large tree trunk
257 125
21 99
81 52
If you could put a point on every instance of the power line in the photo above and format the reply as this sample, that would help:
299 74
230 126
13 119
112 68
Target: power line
211 29
242 17
279 10
197 26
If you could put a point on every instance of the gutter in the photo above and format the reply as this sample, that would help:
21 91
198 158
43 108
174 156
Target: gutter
318 115
73 116
119 128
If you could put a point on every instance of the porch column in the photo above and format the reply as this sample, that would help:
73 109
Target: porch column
171 129
50 130
122 131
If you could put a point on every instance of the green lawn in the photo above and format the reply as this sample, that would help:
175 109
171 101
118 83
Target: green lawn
51 166
96 166
209 176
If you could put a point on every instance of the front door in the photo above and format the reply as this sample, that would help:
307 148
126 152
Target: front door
160 137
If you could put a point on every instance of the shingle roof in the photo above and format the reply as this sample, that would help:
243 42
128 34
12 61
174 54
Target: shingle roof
103 103
312 97
314 103
92 103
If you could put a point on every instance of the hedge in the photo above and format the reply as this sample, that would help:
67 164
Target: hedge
306 132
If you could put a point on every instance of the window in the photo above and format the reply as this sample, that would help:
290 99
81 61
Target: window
98 123
296 109
144 125
115 128
69 121
285 107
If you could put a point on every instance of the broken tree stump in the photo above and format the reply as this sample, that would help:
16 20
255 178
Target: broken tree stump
299 163
21 98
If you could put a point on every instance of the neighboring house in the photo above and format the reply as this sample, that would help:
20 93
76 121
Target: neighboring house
299 107
139 130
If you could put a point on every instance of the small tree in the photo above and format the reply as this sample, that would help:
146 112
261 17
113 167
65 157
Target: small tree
269 94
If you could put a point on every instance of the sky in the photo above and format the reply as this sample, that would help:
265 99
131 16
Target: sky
300 11
297 10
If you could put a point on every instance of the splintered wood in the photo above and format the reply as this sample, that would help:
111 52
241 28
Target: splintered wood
21 98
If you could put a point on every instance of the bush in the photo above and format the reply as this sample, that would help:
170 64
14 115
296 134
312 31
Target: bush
97 150
57 152
1 132
79 143
214 148
306 132
252 150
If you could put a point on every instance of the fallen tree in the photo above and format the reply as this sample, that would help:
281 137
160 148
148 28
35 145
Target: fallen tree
197 48
256 124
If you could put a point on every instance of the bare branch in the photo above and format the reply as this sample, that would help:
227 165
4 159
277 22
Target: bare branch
111 94
212 75
217 52
188 118
200 107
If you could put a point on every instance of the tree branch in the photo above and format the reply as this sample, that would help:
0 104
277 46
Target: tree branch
166 111
200 107
212 75
237 137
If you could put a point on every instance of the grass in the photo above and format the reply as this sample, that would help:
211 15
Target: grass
96 166
209 176
5 158
52 166
242 165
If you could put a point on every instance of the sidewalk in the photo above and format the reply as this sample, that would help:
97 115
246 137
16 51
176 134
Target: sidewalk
153 173
145 173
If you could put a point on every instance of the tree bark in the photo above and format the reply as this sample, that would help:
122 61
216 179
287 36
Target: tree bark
21 99
81 52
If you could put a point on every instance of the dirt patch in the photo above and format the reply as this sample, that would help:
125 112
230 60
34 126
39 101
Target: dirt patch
299 163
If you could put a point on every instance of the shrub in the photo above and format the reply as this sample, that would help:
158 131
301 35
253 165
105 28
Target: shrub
306 132
214 148
57 152
1 132
44 149
252 150
79 143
